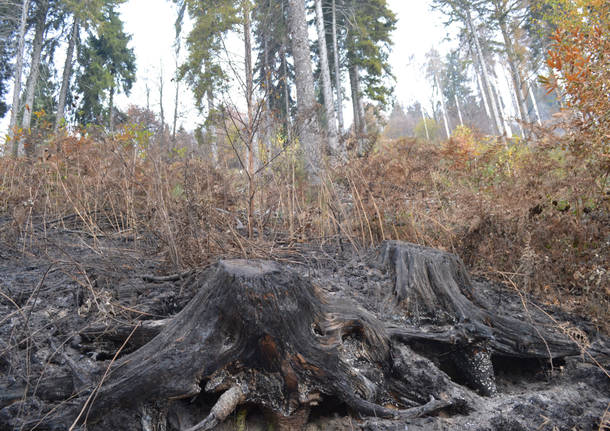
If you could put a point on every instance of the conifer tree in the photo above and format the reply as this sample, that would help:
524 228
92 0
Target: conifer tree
369 26
41 13
212 20
18 74
85 15
454 82
273 72
8 31
331 119
107 67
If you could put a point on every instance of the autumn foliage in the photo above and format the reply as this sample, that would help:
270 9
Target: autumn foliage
579 57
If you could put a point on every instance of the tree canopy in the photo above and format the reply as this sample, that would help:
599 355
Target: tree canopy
107 67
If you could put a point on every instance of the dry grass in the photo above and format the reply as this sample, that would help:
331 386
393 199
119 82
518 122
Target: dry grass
503 209
531 212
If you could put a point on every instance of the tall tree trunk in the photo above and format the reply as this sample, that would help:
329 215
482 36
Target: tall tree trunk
41 20
327 92
443 110
353 82
111 110
309 130
360 128
423 116
250 126
161 111
17 83
513 92
65 82
286 90
483 95
147 97
212 126
176 110
284 51
360 103
177 95
535 103
512 63
266 135
338 86
494 107
357 105
459 110
497 98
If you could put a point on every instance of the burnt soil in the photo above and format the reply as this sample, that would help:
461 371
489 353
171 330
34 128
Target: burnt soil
56 283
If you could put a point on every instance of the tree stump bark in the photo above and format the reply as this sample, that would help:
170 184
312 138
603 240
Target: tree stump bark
433 288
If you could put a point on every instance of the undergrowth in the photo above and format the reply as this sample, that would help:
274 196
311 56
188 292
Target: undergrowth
531 214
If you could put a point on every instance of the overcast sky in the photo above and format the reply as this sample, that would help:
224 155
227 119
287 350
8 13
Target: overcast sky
151 24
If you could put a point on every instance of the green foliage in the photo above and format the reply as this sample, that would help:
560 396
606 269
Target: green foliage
271 67
44 102
90 13
107 66
134 134
453 78
212 20
7 35
371 23
5 74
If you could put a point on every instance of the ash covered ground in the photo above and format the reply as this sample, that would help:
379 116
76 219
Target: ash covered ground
55 285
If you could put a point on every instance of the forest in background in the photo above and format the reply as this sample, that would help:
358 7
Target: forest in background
521 199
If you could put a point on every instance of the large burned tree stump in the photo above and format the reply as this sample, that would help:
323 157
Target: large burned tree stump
258 333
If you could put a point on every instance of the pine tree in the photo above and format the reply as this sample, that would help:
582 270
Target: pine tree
327 92
212 20
454 82
107 67
461 12
85 15
8 31
506 16
369 26
334 48
274 74
41 14
434 68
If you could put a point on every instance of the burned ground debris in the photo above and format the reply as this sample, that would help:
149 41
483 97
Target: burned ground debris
400 334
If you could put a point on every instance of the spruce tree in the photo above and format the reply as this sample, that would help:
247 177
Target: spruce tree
107 68
7 35
274 74
212 20
369 25
84 15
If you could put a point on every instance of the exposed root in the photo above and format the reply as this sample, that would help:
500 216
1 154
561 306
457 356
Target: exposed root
226 404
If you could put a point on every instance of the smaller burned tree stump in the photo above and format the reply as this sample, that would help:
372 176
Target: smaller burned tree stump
433 289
